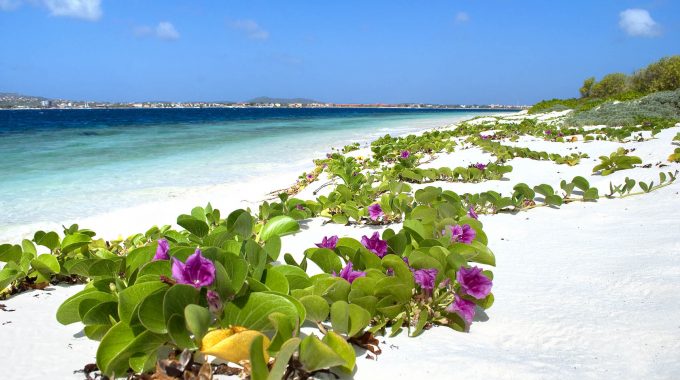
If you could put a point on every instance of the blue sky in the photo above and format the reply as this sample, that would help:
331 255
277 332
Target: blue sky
465 51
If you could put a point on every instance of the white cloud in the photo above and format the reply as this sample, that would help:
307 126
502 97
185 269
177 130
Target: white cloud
462 17
84 9
164 30
638 23
250 28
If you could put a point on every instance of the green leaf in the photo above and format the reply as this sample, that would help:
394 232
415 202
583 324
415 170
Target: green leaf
120 344
129 299
177 330
68 313
193 225
325 258
47 239
343 349
46 264
176 299
28 246
251 311
198 320
316 355
581 183
282 359
10 273
275 281
258 367
74 241
297 278
420 324
149 314
101 314
243 225
10 253
316 306
279 225
349 319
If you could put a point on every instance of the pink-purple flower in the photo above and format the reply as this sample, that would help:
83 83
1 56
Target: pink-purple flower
375 244
479 166
162 250
328 242
197 271
405 154
214 301
375 211
462 234
548 132
348 274
473 282
425 278
462 307
472 214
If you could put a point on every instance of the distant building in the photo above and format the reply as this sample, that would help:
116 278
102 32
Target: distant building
46 103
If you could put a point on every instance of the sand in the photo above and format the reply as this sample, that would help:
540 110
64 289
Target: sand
589 290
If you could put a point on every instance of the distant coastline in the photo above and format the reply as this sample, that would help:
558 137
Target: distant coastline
12 101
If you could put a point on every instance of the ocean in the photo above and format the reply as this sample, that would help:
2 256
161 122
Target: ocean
62 166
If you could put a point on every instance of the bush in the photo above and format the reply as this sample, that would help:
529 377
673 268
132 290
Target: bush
663 75
610 85
661 105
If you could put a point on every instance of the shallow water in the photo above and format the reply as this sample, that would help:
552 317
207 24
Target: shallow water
65 164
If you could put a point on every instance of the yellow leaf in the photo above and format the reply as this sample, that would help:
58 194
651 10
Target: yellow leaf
232 344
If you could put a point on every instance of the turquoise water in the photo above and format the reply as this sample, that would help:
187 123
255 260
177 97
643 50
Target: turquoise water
60 165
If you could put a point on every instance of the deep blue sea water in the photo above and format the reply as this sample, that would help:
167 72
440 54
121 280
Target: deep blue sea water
58 165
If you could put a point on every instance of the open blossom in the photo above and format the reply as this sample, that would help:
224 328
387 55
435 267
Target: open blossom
548 132
198 271
472 214
473 282
425 278
375 211
462 307
310 177
162 250
405 154
328 242
462 234
479 166
348 274
375 244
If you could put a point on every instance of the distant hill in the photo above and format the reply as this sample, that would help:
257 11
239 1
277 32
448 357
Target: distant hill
10 99
266 99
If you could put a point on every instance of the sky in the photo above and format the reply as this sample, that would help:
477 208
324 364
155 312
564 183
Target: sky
446 52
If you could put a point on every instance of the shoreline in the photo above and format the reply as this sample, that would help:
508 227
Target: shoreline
138 218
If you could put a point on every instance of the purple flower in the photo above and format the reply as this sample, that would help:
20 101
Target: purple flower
462 307
214 301
162 250
560 134
473 282
425 278
548 132
485 137
375 244
328 242
375 211
405 154
472 214
479 166
198 271
462 234
348 274
309 176
300 207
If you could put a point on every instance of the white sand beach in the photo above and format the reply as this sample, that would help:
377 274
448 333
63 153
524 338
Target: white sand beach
584 291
